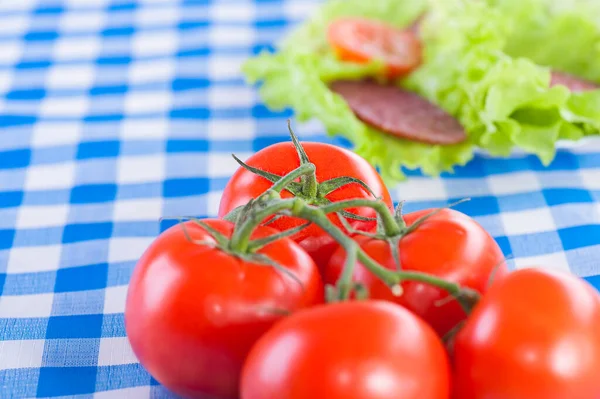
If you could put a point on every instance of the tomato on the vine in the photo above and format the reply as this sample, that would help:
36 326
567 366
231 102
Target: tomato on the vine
348 350
534 335
194 310
332 165
448 245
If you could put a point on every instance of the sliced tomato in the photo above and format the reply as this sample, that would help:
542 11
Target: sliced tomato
363 40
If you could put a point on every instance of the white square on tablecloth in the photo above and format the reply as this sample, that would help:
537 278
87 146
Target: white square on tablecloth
144 102
239 12
87 3
513 183
50 176
126 393
138 209
82 21
297 10
213 200
147 128
37 216
19 354
11 52
225 67
168 15
115 351
226 97
13 25
55 133
421 189
26 306
147 43
114 299
556 261
151 71
141 169
65 107
241 129
223 36
76 48
65 76
590 178
5 81
34 259
17 5
223 164
124 249
528 221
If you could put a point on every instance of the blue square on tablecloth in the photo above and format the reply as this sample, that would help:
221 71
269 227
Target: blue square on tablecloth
8 120
98 149
15 158
579 236
185 187
6 238
74 326
81 278
557 196
10 199
63 381
92 193
86 231
26 94
48 36
478 206
504 244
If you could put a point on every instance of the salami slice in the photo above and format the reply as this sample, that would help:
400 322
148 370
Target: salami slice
573 83
399 112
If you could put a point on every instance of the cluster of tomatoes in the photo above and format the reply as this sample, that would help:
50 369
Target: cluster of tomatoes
212 313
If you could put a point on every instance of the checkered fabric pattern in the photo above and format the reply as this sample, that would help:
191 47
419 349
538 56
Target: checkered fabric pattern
115 113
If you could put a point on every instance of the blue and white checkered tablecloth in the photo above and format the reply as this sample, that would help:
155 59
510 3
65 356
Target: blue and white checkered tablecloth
114 113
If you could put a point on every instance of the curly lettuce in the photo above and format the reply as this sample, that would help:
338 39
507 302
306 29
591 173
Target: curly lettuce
487 63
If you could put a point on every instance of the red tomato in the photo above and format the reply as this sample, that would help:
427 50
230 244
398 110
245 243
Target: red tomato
362 40
193 311
348 350
449 245
534 335
331 162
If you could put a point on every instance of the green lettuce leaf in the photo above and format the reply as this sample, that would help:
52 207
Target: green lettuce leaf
487 63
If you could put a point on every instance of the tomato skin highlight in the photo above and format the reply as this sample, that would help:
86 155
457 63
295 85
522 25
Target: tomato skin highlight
349 350
534 335
449 245
363 40
330 162
193 312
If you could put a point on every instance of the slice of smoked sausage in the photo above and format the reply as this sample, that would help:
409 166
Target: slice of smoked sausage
573 83
399 112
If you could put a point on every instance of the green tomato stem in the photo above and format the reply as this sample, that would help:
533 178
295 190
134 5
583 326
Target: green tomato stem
390 225
310 186
301 171
299 208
